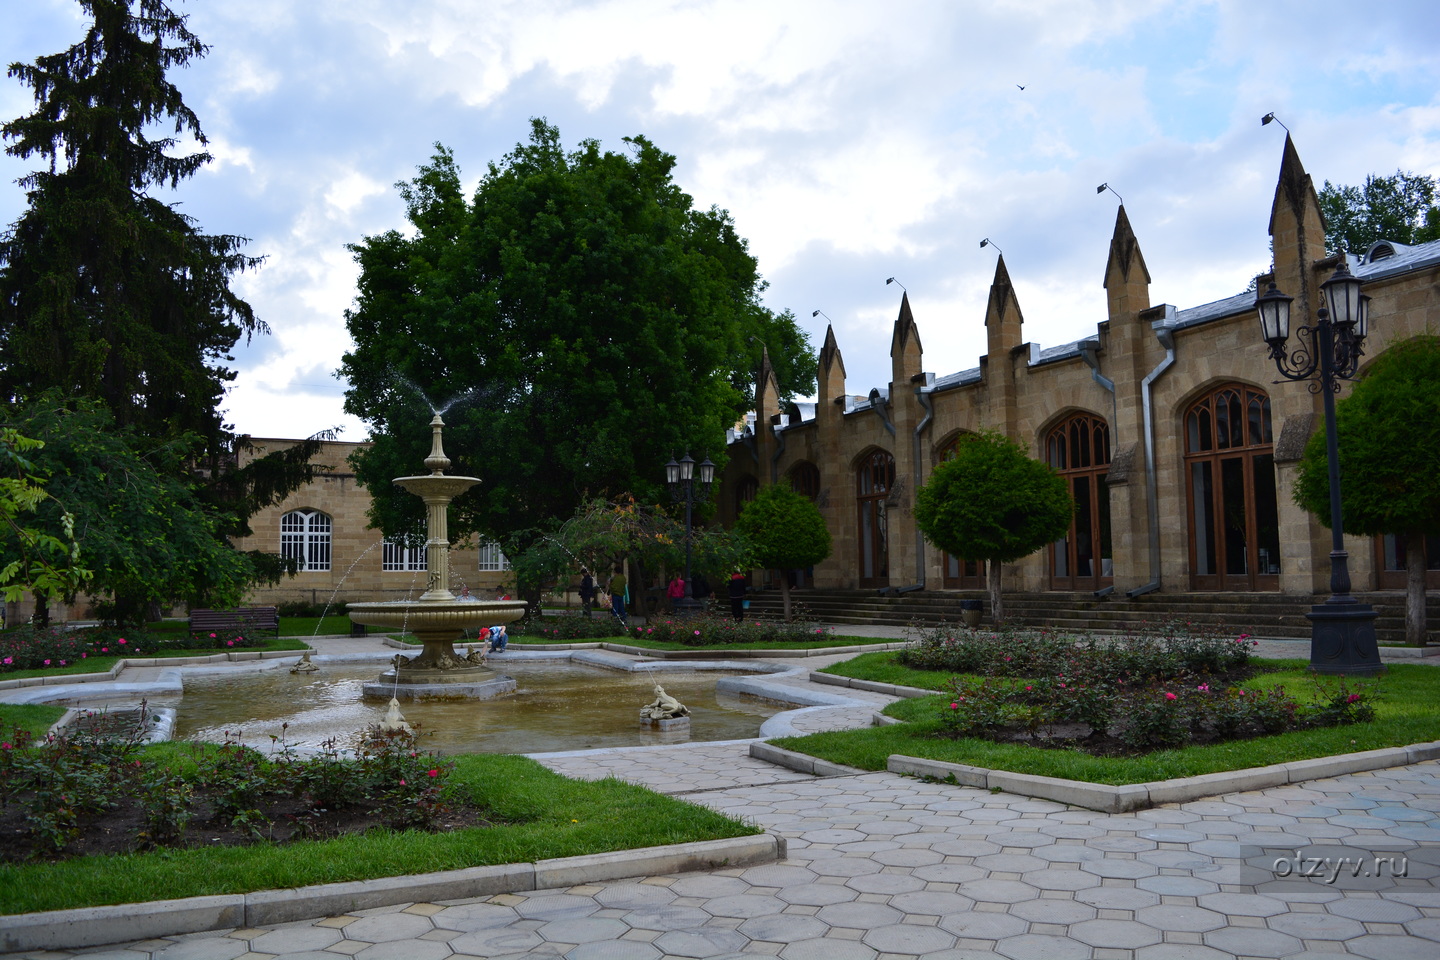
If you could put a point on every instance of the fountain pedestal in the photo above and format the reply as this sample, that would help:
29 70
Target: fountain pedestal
437 619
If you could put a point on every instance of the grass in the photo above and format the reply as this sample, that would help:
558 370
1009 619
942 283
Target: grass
546 816
33 718
1408 712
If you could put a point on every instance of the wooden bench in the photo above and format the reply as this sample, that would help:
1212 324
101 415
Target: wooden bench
241 618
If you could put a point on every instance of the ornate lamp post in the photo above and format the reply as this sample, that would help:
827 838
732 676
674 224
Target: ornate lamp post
681 479
1342 630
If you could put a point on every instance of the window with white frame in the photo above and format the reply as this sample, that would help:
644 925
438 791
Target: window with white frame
305 538
491 559
397 556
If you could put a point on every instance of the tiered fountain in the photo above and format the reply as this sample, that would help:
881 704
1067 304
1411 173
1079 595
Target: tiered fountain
438 619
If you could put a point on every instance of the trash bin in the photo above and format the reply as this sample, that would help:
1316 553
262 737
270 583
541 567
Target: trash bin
357 629
970 611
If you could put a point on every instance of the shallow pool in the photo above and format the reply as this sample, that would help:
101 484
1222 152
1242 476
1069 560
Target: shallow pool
557 706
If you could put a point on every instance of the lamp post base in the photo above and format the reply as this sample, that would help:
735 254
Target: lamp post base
1342 639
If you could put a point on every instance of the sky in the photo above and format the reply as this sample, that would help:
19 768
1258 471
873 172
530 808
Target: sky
851 141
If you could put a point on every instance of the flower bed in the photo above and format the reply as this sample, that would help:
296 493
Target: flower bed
93 791
1118 695
30 648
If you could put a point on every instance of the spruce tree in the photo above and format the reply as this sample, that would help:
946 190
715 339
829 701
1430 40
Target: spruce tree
106 291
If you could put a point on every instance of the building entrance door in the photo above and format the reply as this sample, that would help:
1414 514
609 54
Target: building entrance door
873 481
1230 480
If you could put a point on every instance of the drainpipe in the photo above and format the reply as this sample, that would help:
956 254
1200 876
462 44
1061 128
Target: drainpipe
1165 334
779 430
1088 350
878 404
922 393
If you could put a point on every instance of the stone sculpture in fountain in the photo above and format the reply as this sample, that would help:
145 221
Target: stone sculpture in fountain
437 619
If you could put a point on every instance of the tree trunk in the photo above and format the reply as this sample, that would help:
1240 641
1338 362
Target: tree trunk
785 594
1415 589
997 608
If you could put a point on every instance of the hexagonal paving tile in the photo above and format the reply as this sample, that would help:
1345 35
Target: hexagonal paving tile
586 930
704 942
932 903
405 950
489 943
474 916
777 875
744 906
708 885
1173 917
827 950
1053 911
1035 946
632 895
998 891
818 894
294 939
393 926
984 925
667 917
908 938
1316 926
886 883
783 928
1120 869
614 950
205 948
1252 942
1242 904
560 906
1061 879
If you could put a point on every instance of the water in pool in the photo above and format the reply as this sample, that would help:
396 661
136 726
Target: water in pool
558 706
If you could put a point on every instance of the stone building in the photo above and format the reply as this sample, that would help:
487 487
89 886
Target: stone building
324 526
1180 448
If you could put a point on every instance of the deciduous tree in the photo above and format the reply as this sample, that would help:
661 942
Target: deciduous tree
595 323
786 531
991 502
1400 208
1388 430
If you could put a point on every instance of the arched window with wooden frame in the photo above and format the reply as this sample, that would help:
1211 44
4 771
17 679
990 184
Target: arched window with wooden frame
1078 449
957 573
874 479
805 480
1234 520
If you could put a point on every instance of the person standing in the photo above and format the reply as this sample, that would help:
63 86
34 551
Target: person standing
737 596
676 591
618 584
587 590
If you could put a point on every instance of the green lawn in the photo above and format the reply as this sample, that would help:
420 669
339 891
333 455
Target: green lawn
544 815
103 663
1408 712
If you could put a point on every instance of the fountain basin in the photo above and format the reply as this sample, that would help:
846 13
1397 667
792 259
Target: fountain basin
439 671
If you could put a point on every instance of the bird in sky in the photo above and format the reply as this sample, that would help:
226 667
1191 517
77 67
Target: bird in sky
1021 86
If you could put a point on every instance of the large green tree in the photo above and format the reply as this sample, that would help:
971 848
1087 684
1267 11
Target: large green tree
111 294
786 531
106 291
991 502
1388 430
593 321
1400 208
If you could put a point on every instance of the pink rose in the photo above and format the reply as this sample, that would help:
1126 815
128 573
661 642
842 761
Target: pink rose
1169 696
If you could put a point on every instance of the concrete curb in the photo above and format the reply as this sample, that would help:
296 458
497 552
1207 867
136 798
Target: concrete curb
889 689
96 926
1139 796
802 762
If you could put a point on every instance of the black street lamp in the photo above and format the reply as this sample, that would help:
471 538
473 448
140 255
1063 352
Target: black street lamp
1342 630
681 479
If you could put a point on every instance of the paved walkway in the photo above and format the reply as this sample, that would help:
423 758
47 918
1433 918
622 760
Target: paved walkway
883 866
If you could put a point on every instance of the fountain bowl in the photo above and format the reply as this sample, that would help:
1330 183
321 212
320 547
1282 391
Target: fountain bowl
438 671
